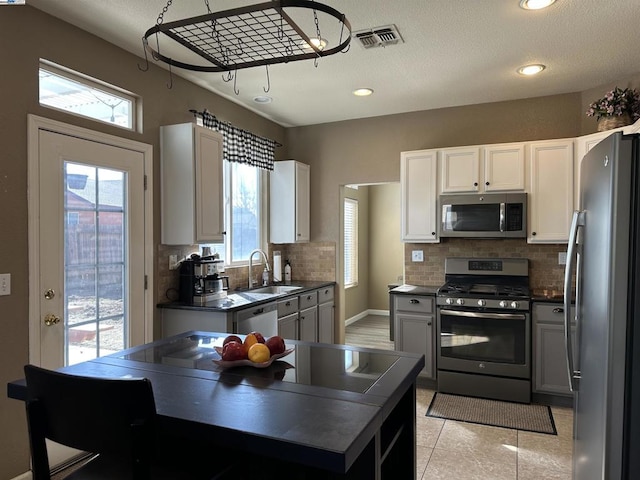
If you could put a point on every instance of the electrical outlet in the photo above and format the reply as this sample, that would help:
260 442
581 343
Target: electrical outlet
562 258
173 262
5 284
417 256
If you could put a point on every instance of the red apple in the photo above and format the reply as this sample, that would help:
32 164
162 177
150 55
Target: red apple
234 351
231 338
259 337
275 344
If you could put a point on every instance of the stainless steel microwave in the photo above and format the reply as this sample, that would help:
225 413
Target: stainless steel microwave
489 215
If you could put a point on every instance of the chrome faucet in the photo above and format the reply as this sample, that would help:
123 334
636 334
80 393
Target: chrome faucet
266 265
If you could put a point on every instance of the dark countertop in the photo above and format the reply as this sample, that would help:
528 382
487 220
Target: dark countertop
241 299
414 290
311 407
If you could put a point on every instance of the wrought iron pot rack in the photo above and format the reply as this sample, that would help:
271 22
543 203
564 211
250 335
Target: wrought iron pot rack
255 35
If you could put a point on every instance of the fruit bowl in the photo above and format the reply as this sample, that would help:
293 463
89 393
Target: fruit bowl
247 362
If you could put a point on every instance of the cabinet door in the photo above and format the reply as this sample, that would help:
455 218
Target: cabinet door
550 360
418 196
308 322
209 207
551 191
504 168
325 322
414 333
303 202
460 169
583 146
288 327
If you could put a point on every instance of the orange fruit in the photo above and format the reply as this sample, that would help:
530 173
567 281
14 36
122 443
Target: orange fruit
249 340
259 353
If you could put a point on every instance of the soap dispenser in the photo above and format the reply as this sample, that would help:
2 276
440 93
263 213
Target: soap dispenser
287 271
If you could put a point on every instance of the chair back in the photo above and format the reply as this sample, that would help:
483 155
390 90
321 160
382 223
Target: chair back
97 415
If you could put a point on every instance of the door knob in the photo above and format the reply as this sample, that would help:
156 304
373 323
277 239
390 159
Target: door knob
51 319
49 294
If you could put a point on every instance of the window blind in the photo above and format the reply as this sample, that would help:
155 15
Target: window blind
350 242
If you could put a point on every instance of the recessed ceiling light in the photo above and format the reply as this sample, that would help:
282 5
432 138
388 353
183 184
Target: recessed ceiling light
318 42
531 69
262 99
362 92
535 4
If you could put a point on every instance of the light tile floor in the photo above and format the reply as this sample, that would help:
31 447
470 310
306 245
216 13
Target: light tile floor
465 451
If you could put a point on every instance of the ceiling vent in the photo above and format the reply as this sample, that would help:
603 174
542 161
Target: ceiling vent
378 37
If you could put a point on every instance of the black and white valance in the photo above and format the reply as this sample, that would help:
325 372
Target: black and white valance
241 146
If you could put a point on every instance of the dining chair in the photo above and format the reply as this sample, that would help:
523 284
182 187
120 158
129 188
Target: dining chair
113 418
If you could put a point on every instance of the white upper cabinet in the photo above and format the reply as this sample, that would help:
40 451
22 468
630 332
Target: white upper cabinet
460 170
418 186
504 167
491 168
290 202
550 191
191 177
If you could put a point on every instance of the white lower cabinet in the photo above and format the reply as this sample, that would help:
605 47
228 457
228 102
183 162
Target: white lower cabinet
550 203
415 325
550 360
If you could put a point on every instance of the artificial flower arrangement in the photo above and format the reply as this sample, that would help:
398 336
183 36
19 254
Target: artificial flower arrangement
617 102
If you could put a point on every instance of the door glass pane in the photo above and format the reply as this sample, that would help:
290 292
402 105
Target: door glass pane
95 251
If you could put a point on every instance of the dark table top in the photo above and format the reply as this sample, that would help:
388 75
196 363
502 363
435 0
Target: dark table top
320 405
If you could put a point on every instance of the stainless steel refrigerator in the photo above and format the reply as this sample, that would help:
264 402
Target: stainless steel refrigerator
603 353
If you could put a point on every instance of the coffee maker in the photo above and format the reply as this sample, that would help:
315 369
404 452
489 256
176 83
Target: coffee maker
201 280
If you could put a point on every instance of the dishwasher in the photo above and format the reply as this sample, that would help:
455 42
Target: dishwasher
263 319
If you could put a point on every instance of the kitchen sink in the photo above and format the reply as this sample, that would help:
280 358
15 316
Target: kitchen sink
275 289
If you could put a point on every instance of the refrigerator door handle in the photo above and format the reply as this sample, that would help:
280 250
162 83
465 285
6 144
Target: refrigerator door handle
572 257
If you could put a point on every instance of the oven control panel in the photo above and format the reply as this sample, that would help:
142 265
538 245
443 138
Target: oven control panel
519 305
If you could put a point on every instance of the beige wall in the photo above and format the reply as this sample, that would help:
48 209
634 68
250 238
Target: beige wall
27 35
386 251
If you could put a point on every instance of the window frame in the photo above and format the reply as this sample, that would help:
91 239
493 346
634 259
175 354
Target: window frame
94 84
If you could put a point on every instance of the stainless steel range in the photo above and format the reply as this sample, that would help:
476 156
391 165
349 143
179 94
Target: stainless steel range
484 329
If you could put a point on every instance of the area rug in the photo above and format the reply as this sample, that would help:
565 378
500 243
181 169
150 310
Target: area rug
519 416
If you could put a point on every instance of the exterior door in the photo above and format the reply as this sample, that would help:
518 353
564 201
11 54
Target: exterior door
90 250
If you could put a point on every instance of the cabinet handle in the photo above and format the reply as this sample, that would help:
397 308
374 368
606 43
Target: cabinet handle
414 301
299 234
326 292
486 183
429 323
224 233
258 311
288 304
475 184
308 297
558 310
433 233
533 233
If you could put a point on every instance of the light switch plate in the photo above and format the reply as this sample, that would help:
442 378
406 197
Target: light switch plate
5 284
562 258
417 256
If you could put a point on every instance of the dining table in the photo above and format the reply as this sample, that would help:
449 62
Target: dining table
326 410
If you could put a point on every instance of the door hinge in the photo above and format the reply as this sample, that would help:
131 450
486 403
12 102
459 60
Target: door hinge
146 282
145 182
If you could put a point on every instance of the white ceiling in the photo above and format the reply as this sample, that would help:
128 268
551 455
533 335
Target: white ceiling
455 52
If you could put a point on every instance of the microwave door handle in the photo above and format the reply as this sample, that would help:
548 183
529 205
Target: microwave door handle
502 216
572 257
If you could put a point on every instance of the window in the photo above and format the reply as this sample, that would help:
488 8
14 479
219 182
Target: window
350 242
74 93
243 213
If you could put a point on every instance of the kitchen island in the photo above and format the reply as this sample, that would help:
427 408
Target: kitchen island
323 411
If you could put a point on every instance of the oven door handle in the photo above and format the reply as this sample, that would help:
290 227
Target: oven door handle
494 316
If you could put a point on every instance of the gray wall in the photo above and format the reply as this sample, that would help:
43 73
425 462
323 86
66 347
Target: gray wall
27 35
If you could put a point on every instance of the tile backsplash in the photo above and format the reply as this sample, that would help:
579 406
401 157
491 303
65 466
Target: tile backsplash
544 271
309 261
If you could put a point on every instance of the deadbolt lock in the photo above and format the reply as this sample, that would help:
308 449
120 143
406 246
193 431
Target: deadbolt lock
51 319
49 294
